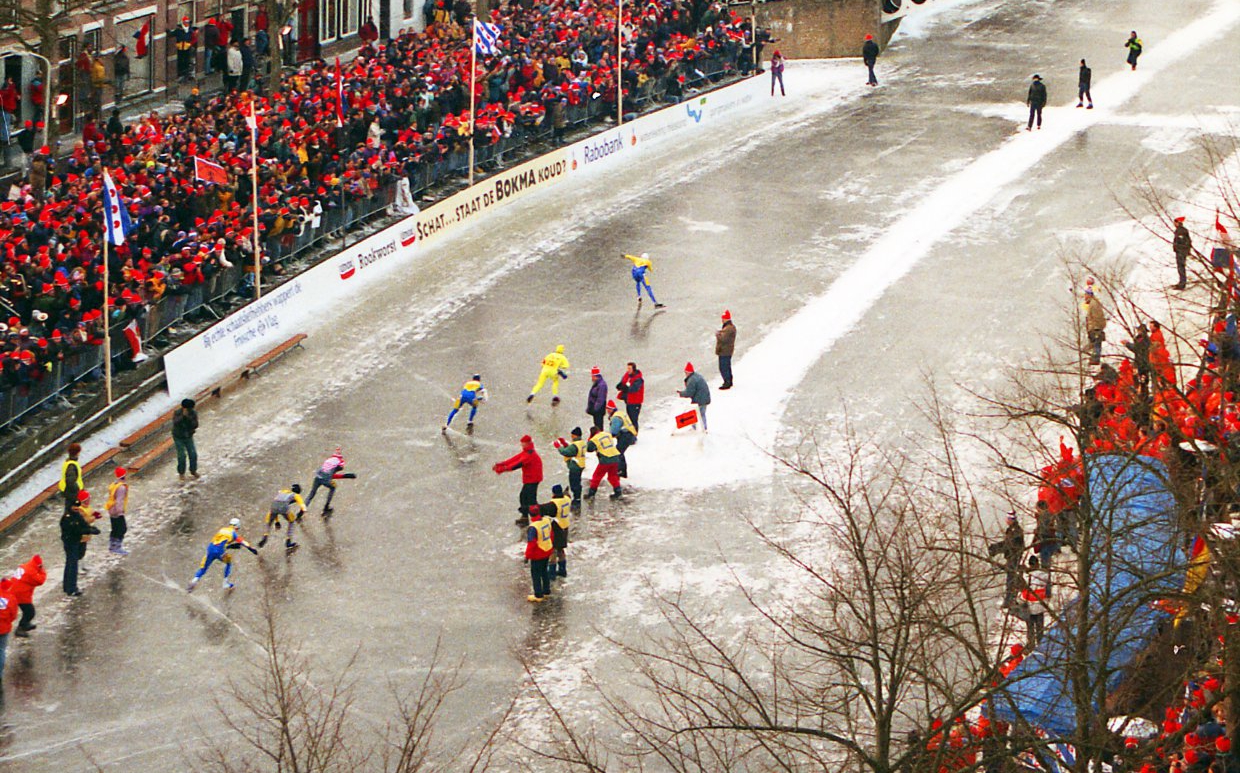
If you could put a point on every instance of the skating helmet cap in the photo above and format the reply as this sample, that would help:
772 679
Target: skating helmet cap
611 405
645 256
295 488
688 367
477 377
121 472
559 349
595 371
235 522
83 496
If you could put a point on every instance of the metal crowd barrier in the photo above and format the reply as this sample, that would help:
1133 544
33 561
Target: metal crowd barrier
18 402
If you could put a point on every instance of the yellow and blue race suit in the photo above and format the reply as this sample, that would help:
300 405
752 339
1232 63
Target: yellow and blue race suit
217 550
640 267
471 394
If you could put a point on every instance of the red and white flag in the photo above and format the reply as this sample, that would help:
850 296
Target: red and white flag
143 38
339 95
133 334
251 116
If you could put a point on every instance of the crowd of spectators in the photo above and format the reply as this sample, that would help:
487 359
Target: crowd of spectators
405 108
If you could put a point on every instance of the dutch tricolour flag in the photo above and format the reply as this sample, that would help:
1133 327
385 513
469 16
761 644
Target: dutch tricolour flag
486 38
115 216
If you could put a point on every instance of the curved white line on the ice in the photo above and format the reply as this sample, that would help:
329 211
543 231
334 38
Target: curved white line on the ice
747 419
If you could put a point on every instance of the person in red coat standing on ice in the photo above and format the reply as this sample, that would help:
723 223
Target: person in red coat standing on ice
28 576
530 464
632 390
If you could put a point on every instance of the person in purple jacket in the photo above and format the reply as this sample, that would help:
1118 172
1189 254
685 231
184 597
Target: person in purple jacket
596 403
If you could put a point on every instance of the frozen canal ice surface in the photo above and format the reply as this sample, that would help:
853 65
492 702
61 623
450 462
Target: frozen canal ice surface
860 238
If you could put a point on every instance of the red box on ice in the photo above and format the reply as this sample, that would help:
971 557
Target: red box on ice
686 419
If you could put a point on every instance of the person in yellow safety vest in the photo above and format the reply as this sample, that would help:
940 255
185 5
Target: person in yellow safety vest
71 477
554 367
574 453
288 505
117 506
539 547
603 444
623 430
560 509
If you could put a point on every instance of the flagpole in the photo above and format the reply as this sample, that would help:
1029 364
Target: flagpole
473 78
107 317
258 250
619 62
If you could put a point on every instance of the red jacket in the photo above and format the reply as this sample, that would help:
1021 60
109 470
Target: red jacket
28 576
8 606
528 461
632 388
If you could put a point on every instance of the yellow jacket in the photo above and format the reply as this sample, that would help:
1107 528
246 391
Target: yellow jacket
555 361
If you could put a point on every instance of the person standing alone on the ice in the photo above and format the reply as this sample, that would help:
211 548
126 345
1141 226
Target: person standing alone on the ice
697 391
1182 244
1135 47
596 401
1095 325
1082 87
554 367
777 73
530 464
725 344
1036 101
184 425
641 265
869 55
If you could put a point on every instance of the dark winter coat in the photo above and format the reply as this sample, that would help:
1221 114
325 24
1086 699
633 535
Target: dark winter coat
73 527
869 53
1037 94
597 401
184 423
696 389
1183 242
725 339
1085 77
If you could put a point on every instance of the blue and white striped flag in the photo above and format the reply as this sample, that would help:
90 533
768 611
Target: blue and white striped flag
486 38
115 215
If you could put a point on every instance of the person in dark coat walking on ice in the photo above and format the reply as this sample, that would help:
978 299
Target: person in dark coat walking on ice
1036 101
869 55
1082 87
697 391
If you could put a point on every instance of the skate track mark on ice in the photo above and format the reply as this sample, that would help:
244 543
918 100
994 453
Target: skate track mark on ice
747 419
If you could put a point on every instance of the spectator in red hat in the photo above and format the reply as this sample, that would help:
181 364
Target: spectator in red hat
596 400
725 344
777 73
530 464
698 393
869 55
117 506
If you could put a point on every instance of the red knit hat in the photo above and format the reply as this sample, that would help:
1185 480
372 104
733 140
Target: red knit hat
727 315
611 405
121 472
83 496
688 367
595 371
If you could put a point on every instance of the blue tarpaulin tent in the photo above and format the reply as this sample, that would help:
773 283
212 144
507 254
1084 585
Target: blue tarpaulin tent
1135 543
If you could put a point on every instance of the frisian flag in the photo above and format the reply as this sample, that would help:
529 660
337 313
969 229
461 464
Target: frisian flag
115 216
486 38
339 95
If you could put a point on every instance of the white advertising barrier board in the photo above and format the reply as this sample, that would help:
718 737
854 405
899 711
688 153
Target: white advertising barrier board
263 324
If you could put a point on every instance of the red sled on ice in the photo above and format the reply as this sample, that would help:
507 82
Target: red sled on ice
687 419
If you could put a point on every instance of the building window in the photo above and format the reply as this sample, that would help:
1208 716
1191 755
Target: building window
339 18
